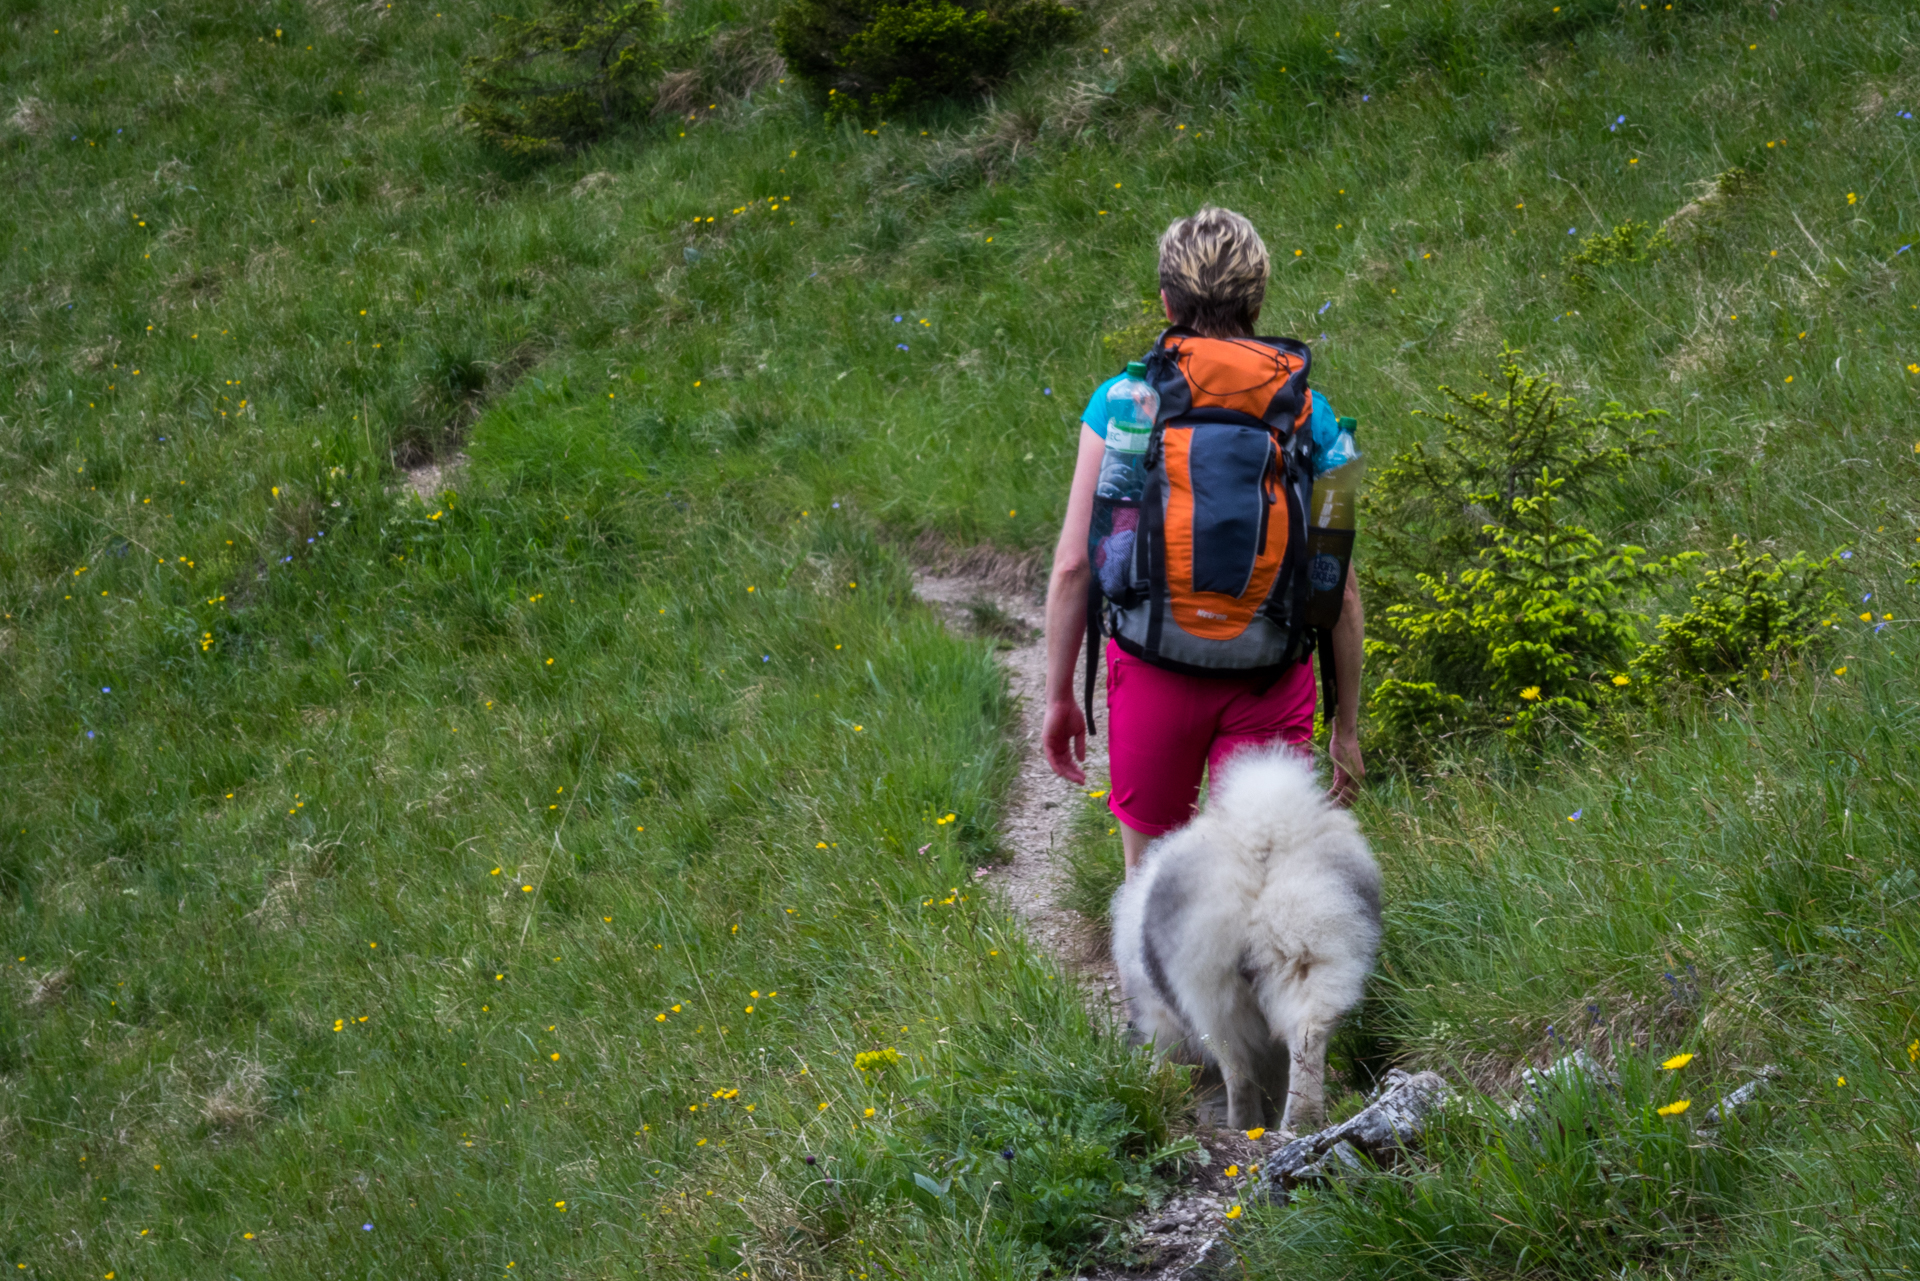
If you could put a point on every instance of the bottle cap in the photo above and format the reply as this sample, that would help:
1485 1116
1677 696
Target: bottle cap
1136 369
1347 424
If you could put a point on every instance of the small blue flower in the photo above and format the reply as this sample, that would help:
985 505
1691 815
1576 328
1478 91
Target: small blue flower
309 540
836 506
1878 628
1571 230
285 559
89 733
1366 97
106 689
1046 391
366 1227
902 346
897 319
1866 598
1846 555
1575 816
1902 249
1323 307
766 658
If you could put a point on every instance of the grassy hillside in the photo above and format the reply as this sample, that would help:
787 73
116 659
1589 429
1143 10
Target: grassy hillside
332 817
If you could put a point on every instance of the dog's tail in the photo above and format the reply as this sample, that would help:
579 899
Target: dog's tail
1273 796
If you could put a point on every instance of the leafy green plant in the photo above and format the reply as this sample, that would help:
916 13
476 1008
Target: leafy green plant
1628 244
868 58
1743 619
561 80
1537 630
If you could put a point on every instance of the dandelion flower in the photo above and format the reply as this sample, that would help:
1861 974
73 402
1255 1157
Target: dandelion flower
1839 1080
1675 1108
868 1112
1622 680
1677 1062
1232 1172
1531 693
1234 1213
1255 1133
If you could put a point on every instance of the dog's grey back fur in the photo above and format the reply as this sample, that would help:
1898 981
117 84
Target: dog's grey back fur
1245 936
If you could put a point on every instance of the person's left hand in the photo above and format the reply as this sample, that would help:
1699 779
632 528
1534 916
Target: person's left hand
1349 771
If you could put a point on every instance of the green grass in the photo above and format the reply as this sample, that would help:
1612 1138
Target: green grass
315 278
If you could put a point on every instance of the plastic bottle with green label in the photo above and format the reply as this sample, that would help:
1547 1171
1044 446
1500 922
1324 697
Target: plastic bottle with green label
1132 406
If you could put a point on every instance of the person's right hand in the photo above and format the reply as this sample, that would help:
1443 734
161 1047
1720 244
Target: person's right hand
1063 737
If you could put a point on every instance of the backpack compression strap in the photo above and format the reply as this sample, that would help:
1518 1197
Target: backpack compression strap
1329 691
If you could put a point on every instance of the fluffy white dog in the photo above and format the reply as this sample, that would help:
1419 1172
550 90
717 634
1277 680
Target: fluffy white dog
1245 936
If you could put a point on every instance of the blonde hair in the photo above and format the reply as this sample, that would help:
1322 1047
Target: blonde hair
1214 268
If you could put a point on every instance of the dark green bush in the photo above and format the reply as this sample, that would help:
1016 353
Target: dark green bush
562 80
868 58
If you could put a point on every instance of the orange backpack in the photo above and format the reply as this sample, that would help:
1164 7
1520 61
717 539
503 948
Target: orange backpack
1208 573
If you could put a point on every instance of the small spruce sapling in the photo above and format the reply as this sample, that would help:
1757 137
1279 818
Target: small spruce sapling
559 81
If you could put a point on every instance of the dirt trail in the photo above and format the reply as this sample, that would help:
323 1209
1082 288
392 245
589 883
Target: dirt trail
1180 1239
1042 803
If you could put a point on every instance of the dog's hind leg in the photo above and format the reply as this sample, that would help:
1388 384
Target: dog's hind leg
1306 1078
1241 1043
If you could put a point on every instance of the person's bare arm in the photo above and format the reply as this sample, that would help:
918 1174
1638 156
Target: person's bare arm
1063 733
1343 740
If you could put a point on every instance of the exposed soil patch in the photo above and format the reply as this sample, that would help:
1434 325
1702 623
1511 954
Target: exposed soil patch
429 479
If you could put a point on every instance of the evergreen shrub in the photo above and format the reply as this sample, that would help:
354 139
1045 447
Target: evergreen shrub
1498 607
556 82
869 58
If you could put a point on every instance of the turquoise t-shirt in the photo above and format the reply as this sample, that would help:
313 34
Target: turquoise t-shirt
1324 423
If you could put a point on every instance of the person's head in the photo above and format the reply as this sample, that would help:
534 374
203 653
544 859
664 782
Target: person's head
1213 273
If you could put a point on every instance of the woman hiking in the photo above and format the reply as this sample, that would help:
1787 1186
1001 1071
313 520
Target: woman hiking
1169 721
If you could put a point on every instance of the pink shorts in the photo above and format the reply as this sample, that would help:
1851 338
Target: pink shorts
1165 728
